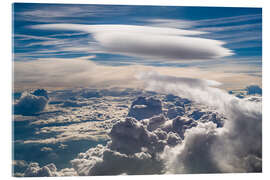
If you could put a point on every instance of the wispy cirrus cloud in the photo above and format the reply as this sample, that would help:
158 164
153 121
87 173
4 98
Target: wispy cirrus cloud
220 28
182 23
227 20
231 28
67 12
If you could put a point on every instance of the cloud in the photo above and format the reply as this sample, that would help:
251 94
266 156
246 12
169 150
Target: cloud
34 170
31 104
248 30
159 145
130 137
178 23
156 122
149 42
49 170
231 28
52 73
236 147
173 139
69 13
70 103
228 20
194 155
181 124
57 72
172 23
94 131
103 161
143 108
133 149
199 90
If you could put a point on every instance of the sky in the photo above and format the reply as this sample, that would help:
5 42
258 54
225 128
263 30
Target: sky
219 43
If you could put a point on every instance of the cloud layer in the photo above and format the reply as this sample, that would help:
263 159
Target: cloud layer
237 147
59 73
193 142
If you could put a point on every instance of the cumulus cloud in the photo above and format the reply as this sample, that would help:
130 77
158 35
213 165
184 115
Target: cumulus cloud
236 147
184 144
49 170
194 155
149 42
134 149
156 122
131 151
103 161
130 136
180 124
31 103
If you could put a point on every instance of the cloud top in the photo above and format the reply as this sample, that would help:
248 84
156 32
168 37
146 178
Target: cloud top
31 103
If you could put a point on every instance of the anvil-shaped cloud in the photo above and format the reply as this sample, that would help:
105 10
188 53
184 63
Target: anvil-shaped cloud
148 42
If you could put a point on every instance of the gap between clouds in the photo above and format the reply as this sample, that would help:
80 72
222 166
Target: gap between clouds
149 42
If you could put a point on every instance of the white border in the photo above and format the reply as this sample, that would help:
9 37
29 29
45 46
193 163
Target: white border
6 81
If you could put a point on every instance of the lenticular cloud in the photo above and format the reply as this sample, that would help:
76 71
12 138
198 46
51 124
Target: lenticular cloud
149 42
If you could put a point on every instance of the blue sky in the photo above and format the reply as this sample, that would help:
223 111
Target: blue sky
235 34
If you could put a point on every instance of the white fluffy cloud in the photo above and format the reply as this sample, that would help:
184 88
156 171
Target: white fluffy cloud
133 149
236 147
31 104
130 136
104 161
181 145
149 42
49 170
